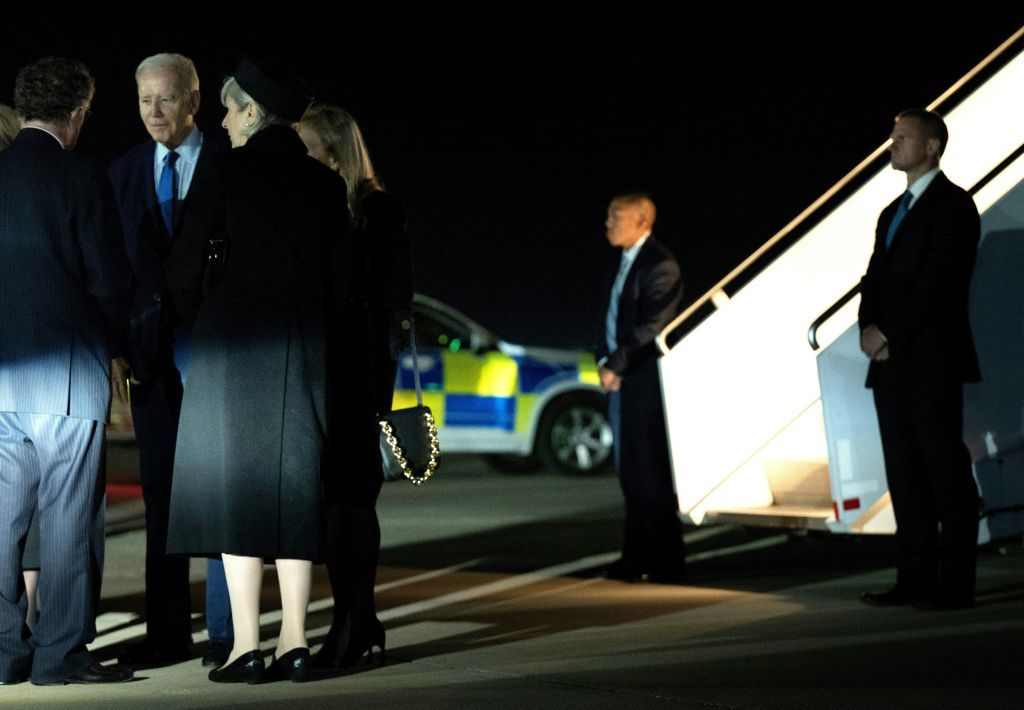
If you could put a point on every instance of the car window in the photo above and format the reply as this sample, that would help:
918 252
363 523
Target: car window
433 330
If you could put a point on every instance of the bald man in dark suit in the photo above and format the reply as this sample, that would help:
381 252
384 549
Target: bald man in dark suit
645 296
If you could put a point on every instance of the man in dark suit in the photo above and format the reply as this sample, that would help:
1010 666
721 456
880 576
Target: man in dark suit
644 297
64 295
914 327
152 183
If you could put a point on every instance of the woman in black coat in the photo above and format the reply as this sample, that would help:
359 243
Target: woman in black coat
382 300
253 420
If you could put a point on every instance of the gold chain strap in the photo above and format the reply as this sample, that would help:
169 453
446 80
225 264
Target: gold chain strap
396 450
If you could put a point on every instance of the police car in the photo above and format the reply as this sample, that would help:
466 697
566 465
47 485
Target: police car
521 405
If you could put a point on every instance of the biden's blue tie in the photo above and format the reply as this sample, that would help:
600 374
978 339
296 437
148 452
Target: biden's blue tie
165 190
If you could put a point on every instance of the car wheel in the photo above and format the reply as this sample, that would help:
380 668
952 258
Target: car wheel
575 434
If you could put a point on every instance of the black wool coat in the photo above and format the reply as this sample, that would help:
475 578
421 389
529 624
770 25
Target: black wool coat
253 419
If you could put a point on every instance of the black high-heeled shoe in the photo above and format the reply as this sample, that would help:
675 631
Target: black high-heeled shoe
293 666
362 645
356 645
247 668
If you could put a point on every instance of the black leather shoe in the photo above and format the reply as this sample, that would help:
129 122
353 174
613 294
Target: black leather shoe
293 666
896 596
146 654
95 673
247 668
216 654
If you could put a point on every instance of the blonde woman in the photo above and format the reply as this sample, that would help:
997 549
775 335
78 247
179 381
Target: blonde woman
352 478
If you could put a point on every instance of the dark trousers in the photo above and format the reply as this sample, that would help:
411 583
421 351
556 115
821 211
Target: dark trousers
653 538
156 405
934 496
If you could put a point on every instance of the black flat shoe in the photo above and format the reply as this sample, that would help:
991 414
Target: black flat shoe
247 668
293 666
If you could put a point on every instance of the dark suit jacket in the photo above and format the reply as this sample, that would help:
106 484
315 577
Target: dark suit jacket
917 291
64 280
148 244
649 301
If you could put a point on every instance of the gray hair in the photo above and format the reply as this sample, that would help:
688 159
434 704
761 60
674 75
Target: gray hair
185 77
241 98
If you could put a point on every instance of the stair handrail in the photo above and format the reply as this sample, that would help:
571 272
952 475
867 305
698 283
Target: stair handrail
717 295
812 330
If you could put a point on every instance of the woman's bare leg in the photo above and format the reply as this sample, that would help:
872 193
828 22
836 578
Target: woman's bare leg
245 577
294 578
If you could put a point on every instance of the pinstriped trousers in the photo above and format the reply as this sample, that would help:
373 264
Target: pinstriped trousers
50 464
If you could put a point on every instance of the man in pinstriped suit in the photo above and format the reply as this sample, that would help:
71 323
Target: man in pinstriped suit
64 299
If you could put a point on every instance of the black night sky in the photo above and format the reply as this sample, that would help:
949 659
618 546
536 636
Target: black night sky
506 127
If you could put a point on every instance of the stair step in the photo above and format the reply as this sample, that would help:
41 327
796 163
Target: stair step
777 516
799 483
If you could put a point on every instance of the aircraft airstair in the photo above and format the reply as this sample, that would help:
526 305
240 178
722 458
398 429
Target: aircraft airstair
768 418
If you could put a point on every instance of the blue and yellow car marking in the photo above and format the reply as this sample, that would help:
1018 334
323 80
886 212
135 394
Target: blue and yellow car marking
492 390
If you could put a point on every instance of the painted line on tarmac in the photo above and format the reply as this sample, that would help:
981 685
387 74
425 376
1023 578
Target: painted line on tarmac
111 620
498 586
708 532
271 617
321 604
428 575
736 549
562 570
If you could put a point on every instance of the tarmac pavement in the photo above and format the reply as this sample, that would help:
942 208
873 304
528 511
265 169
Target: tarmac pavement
491 595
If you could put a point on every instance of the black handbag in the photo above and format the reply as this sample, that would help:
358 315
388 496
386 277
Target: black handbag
408 437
